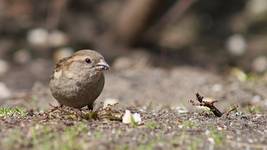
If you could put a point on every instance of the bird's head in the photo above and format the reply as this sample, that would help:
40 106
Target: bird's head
84 63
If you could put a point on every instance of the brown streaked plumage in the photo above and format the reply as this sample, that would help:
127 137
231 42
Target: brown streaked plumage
78 80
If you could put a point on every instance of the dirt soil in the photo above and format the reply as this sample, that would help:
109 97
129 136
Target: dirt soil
160 95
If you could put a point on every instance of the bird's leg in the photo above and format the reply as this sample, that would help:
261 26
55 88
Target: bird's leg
55 107
90 107
60 106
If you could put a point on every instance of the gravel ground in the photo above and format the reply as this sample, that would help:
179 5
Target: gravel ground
161 96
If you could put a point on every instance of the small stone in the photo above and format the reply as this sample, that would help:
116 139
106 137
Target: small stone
57 38
217 87
3 67
259 64
211 140
4 91
181 110
236 45
265 103
38 37
22 56
256 99
110 102
256 7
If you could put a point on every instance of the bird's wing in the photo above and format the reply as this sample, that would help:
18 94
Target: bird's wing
59 66
60 63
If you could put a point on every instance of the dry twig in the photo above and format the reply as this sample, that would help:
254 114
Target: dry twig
210 105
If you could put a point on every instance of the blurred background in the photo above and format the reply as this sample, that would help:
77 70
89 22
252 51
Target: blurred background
158 50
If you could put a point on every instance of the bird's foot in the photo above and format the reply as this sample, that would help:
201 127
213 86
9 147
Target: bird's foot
53 107
90 107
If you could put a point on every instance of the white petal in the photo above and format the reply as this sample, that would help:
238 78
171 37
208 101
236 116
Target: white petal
137 118
126 118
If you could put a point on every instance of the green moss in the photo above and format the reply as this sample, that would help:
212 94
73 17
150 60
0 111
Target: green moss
194 145
45 137
12 111
189 124
149 146
13 140
217 136
122 147
254 109
98 135
152 125
90 115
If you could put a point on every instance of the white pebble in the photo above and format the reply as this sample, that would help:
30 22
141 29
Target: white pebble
3 67
260 64
38 37
4 91
256 99
217 87
181 110
110 102
265 103
57 38
236 45
257 7
211 140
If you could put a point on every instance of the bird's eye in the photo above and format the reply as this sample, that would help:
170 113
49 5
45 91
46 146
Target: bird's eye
88 60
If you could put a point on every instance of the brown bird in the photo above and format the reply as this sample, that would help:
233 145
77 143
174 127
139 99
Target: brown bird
78 80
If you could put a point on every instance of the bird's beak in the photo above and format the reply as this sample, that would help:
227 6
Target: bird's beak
102 65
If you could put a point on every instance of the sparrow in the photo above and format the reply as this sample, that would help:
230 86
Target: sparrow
78 80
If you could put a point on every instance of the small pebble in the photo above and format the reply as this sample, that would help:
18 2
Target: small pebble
38 37
259 64
181 110
110 102
236 45
57 38
217 87
22 56
256 7
3 67
4 91
256 99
